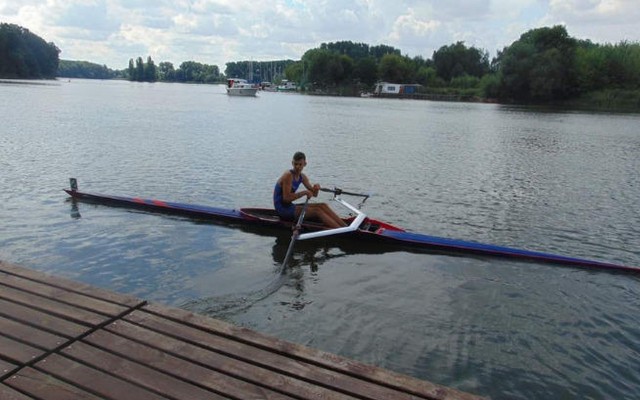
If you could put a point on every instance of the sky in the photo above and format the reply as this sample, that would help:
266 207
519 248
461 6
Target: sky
111 32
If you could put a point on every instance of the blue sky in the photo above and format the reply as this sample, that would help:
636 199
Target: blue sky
111 32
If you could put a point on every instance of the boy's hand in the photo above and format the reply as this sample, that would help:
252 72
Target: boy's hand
316 190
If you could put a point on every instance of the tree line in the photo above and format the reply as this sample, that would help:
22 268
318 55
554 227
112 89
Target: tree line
26 55
544 64
547 64
187 72
86 70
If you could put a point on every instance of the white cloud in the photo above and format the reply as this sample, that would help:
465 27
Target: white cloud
604 11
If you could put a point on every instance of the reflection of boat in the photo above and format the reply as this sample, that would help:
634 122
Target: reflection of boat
287 86
361 229
240 87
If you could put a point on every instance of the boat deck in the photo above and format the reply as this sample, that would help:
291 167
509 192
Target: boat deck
61 339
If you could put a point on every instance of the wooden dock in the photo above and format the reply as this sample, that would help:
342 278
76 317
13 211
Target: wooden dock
61 339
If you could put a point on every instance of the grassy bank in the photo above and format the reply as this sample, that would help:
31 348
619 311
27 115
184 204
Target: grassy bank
622 100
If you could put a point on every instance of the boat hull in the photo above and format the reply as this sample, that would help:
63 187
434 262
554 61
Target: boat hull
371 231
242 91
240 87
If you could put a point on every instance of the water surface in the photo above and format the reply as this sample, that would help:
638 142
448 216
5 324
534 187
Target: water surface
563 182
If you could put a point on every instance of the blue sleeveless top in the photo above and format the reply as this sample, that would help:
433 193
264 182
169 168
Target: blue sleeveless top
284 209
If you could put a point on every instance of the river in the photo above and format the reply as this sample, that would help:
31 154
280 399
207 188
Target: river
556 181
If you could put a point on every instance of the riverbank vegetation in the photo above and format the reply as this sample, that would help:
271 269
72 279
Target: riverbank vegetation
24 55
544 66
86 70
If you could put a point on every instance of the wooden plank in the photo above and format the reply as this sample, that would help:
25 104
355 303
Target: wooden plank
42 386
52 307
33 336
41 320
6 367
62 295
212 369
150 378
88 290
7 393
292 376
402 383
92 380
157 352
17 352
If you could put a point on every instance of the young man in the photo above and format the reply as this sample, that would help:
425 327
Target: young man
285 193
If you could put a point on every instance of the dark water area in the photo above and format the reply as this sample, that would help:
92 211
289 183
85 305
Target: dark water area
556 181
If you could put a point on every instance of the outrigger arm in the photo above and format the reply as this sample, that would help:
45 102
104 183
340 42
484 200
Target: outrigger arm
355 224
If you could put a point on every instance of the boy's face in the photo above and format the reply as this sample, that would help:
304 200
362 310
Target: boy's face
298 165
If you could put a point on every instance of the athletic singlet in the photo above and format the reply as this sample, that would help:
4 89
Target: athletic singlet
286 210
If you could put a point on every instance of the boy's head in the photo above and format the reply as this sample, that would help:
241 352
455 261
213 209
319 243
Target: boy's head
299 161
299 156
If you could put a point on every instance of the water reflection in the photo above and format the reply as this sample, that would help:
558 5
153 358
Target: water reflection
75 211
303 267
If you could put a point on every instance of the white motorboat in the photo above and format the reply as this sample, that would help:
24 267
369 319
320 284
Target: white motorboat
240 87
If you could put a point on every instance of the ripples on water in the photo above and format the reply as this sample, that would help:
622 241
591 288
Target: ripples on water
561 182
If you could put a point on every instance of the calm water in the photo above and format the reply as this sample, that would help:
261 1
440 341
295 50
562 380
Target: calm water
554 181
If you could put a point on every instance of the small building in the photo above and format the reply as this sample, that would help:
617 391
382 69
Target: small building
410 88
398 89
387 88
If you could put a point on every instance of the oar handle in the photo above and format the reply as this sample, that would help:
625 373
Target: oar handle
338 192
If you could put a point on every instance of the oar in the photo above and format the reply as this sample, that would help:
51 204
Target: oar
338 192
296 233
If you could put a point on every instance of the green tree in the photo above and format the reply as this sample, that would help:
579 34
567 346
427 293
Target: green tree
150 71
326 68
356 51
427 76
395 68
131 70
608 66
294 72
380 51
540 66
366 71
457 60
166 72
139 71
490 86
26 55
192 71
84 69
209 74
465 82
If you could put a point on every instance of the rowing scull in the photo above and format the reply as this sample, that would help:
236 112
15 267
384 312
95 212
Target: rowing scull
360 227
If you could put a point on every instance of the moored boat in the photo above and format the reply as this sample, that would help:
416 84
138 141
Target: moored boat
240 87
361 228
287 86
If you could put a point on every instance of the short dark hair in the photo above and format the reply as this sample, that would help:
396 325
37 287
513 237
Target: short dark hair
299 156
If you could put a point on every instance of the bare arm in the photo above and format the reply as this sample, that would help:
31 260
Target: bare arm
313 189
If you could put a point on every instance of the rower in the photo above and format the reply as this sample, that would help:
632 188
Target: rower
285 193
